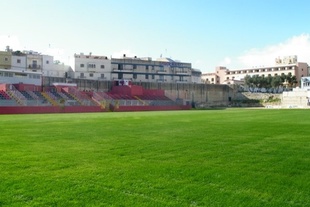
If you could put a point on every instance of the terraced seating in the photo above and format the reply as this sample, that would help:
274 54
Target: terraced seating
69 96
57 95
153 97
40 96
26 95
4 95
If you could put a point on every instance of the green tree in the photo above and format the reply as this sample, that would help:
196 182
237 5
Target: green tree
247 80
268 80
276 82
291 80
256 81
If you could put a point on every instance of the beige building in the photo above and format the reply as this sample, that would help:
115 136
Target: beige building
285 66
6 59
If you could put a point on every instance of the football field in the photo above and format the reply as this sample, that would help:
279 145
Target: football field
232 157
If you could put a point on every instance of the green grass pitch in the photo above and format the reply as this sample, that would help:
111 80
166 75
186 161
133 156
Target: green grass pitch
234 157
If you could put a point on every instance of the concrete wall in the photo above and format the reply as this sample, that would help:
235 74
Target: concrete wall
201 95
18 63
298 98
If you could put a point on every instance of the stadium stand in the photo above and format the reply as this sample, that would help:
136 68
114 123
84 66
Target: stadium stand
62 98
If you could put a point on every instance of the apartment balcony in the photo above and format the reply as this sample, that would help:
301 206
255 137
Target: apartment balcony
32 66
91 70
181 81
122 70
161 72
182 73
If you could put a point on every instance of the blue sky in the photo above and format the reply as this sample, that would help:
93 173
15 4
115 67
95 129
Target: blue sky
207 33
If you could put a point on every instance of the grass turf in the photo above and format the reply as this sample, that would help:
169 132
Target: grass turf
172 158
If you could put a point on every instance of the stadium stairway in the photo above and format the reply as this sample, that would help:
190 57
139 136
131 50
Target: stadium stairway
140 100
49 99
81 97
17 96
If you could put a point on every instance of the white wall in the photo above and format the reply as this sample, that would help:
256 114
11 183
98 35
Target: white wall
92 64
12 77
18 63
47 62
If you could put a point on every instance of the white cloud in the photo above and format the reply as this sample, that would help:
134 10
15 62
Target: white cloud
226 61
259 57
297 45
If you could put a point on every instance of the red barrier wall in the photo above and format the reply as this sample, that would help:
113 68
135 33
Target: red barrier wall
27 87
125 90
136 90
151 108
48 109
153 92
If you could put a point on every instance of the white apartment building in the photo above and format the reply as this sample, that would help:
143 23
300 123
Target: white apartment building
148 70
95 67
92 67
285 65
37 62
59 70
19 61
28 67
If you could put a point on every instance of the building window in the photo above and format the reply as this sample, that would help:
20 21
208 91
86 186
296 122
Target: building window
153 67
90 65
102 76
147 67
146 76
102 66
35 64
91 75
134 76
153 77
18 61
6 59
120 67
47 62
82 75
162 78
134 67
82 65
